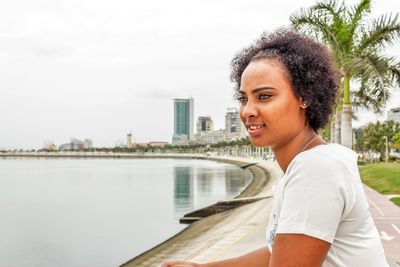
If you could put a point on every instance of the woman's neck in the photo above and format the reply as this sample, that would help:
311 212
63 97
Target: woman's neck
304 140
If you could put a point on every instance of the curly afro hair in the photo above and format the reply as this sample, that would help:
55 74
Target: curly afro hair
310 65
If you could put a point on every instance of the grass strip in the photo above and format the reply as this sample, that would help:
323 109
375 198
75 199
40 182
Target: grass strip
396 200
383 177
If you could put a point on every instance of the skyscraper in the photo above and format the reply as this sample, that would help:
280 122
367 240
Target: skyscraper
183 120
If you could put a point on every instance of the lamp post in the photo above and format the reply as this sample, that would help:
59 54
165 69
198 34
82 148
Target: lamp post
386 148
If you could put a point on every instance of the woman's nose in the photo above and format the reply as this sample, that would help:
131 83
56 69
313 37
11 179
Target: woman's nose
249 110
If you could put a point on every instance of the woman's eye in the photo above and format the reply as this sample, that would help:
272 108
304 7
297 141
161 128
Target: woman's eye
241 99
264 96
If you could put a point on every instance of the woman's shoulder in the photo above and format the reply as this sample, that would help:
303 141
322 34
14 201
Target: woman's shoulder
329 153
325 158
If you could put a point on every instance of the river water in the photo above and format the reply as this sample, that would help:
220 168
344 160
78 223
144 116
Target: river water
101 212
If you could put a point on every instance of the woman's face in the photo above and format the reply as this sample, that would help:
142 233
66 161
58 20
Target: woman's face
271 112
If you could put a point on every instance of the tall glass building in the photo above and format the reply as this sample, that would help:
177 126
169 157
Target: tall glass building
183 120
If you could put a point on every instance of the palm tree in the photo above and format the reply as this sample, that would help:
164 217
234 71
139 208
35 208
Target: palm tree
356 43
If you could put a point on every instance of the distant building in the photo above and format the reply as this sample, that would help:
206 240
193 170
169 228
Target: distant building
205 133
233 124
217 136
204 124
129 140
76 144
234 129
394 114
211 137
183 121
88 144
158 143
50 146
141 145
66 146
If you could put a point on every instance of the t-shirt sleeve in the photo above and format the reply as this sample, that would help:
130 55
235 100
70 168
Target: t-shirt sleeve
314 198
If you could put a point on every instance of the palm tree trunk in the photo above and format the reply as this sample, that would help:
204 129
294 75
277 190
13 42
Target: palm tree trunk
338 125
346 131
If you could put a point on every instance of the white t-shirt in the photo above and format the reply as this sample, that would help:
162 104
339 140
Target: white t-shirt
321 195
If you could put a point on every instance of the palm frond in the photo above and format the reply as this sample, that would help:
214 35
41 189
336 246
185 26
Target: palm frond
357 14
377 74
395 71
371 95
330 9
383 31
312 24
307 22
372 65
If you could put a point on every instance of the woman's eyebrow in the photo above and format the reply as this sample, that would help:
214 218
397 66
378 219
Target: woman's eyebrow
240 92
262 88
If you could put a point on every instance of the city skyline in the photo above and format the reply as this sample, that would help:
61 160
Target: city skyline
95 69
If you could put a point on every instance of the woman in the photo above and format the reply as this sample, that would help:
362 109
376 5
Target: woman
287 86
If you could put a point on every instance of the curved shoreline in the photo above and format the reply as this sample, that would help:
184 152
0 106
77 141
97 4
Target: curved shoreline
261 177
251 190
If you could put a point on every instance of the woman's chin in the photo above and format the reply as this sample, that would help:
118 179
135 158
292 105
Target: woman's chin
258 143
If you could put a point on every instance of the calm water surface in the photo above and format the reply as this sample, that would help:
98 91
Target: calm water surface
101 212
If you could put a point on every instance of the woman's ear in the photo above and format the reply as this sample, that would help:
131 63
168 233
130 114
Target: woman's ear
303 103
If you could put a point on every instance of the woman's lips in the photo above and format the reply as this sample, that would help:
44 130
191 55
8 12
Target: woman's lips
255 130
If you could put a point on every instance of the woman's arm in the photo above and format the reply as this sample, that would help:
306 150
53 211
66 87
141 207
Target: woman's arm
298 250
256 258
289 250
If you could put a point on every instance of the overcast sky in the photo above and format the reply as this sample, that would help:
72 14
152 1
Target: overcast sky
100 69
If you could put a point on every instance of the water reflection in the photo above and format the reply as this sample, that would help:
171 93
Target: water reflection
205 180
194 184
235 179
183 188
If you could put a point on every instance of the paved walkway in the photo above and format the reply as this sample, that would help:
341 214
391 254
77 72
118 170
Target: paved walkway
387 219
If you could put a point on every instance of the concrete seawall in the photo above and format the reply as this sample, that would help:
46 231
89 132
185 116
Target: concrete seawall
201 240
